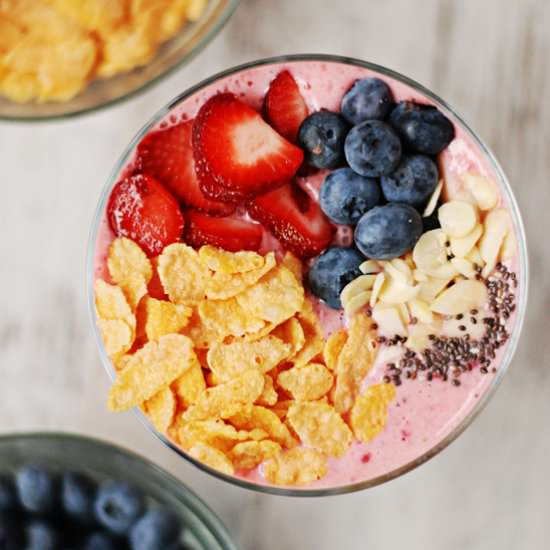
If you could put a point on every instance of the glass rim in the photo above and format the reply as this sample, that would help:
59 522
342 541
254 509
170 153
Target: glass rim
205 36
512 343
183 493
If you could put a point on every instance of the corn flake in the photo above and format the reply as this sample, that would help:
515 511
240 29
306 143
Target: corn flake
333 346
295 467
130 268
221 286
354 361
163 317
292 333
370 411
212 457
294 264
306 383
151 368
249 454
182 274
190 385
226 399
275 298
161 409
230 360
313 333
221 319
252 417
319 425
269 396
117 336
222 261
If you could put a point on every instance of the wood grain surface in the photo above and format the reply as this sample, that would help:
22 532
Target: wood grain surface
490 60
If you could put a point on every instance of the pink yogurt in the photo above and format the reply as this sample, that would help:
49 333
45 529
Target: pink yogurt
424 413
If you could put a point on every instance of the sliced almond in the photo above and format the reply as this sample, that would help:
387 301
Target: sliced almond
432 203
495 227
376 288
419 276
389 320
395 292
460 298
356 302
397 274
432 287
420 310
360 284
428 251
419 337
443 271
404 312
402 266
461 246
369 266
482 189
475 257
464 267
509 246
457 218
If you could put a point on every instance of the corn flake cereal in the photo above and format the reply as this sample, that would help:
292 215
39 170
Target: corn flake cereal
163 317
333 346
320 426
182 274
117 336
161 409
292 333
306 383
222 261
249 454
190 385
296 467
221 286
370 411
226 399
212 457
313 333
294 265
230 360
252 417
151 368
269 396
354 361
129 268
221 319
275 298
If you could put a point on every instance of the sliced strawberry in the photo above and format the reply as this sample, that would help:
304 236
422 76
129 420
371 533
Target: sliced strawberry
167 155
294 218
230 233
284 106
238 151
141 209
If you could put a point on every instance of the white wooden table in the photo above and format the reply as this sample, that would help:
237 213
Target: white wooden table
490 59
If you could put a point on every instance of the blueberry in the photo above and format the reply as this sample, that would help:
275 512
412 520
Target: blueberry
99 541
40 535
158 529
345 196
117 506
388 231
8 497
322 136
332 271
11 537
412 182
36 489
373 149
423 128
367 99
77 497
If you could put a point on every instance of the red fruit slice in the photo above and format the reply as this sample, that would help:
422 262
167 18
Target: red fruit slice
284 106
236 150
167 155
294 218
230 233
141 209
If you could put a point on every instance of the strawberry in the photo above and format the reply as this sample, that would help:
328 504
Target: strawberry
230 233
294 218
167 155
237 151
284 106
141 209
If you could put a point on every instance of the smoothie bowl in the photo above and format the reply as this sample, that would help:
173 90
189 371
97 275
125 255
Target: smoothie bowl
307 275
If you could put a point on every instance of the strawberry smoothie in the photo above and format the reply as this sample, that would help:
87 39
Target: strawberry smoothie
432 404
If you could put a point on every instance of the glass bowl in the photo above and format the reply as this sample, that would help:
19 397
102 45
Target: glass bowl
181 49
469 409
102 461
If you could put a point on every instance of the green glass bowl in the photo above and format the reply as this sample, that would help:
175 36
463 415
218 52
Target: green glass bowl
102 92
100 460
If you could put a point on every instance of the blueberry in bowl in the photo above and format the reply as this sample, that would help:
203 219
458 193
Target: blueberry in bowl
367 99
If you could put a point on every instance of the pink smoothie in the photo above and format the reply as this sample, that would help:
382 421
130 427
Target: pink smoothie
424 413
